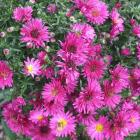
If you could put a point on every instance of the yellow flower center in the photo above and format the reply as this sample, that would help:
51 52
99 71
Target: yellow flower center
61 124
30 68
54 92
99 128
40 118
133 120
95 13
3 74
78 33
115 21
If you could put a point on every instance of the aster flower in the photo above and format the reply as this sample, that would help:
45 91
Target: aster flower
99 129
126 51
63 124
120 77
35 32
134 118
54 91
42 132
15 118
51 8
32 67
94 69
111 98
38 116
136 30
75 48
69 73
120 126
90 98
117 23
84 31
6 75
95 11
23 14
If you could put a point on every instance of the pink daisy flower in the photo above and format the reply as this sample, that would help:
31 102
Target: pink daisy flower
84 31
136 30
120 126
94 69
134 118
35 32
111 99
90 98
63 124
23 14
38 116
15 118
98 129
95 11
120 77
54 91
32 67
75 48
69 73
42 132
6 75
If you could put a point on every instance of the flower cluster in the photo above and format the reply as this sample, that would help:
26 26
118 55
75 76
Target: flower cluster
81 87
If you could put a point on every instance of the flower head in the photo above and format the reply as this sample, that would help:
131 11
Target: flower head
120 126
35 32
6 75
38 116
84 31
119 77
94 69
111 98
51 8
126 51
15 118
98 129
63 124
32 67
54 91
90 98
74 47
95 11
23 14
42 132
